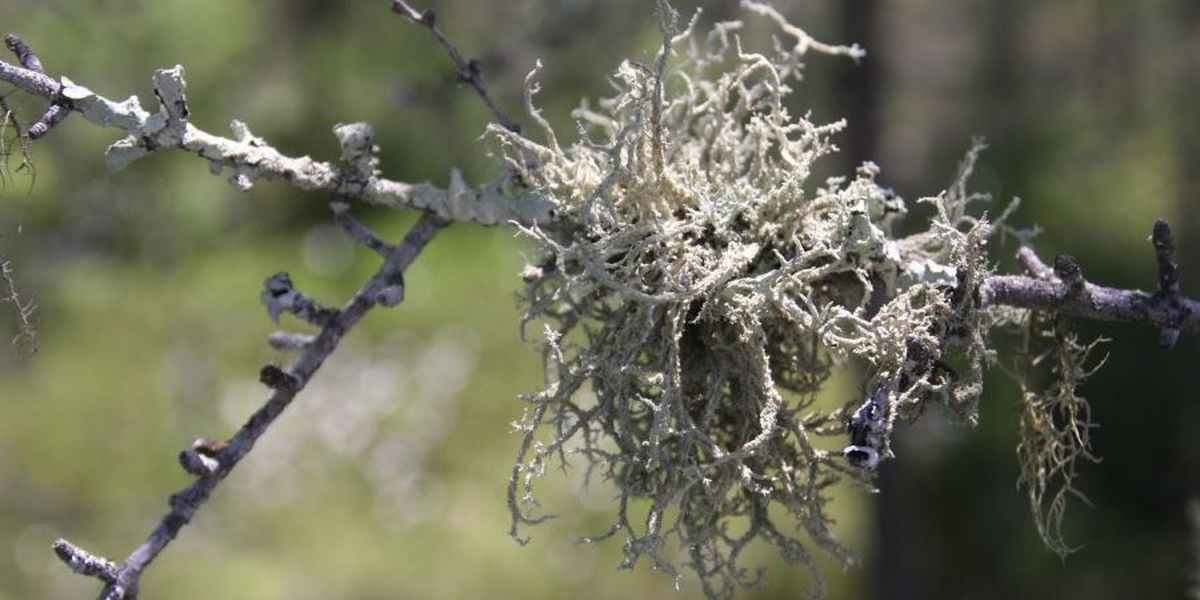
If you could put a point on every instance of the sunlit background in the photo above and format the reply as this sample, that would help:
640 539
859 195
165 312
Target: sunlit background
386 478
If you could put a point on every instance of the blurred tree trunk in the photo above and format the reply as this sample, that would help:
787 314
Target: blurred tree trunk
859 87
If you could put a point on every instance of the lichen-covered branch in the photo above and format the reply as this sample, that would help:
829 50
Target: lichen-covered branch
250 157
25 342
223 457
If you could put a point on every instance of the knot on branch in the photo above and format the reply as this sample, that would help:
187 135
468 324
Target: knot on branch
278 379
1067 269
24 53
358 154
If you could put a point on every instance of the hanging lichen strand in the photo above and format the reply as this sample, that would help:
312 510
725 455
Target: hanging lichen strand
694 289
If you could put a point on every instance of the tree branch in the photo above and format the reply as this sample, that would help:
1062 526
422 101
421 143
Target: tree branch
121 582
468 70
1064 290
251 157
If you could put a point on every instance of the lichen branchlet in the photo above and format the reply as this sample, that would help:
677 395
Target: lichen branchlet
696 287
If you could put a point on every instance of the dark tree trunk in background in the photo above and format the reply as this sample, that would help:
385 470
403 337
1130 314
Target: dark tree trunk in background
859 87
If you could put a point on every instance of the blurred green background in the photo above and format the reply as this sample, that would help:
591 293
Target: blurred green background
386 478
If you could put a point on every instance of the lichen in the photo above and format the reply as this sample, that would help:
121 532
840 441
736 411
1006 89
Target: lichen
1055 422
696 288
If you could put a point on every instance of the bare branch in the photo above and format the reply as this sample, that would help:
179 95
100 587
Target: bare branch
280 296
183 505
1064 290
1036 267
469 70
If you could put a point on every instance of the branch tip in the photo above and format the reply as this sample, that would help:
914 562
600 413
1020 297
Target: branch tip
24 53
286 340
85 563
1033 264
55 113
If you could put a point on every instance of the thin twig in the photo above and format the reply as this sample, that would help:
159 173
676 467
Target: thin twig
469 70
250 157
26 340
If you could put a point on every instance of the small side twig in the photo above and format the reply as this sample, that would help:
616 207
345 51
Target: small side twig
359 232
280 296
469 70
1168 278
1034 264
83 562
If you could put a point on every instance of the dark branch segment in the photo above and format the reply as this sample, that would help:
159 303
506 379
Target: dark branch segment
1064 290
468 70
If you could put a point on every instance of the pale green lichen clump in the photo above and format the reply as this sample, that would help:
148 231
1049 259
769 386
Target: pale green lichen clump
694 288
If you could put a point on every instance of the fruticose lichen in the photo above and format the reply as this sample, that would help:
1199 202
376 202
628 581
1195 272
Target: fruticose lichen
1055 423
695 288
